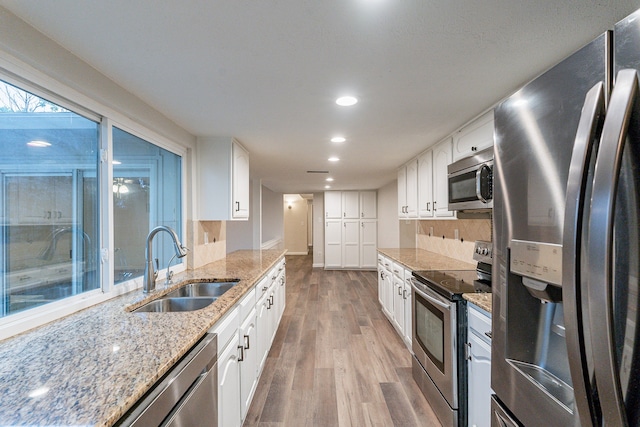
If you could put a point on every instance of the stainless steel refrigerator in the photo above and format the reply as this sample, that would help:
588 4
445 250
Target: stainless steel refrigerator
566 339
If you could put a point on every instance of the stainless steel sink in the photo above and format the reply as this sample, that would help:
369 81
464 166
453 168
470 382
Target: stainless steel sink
203 289
166 305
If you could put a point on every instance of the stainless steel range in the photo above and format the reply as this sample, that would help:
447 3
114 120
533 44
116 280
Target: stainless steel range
440 331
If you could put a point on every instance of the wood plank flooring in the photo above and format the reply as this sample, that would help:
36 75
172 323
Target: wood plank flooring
336 359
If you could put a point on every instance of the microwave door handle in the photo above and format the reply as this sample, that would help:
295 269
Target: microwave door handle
600 248
576 212
479 194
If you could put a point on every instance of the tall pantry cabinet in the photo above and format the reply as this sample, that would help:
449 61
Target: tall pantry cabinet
351 229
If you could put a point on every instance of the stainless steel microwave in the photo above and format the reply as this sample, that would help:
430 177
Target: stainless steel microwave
470 182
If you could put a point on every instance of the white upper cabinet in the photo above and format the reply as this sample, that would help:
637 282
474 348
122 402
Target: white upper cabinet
223 179
368 205
408 190
333 204
474 137
441 159
350 204
425 185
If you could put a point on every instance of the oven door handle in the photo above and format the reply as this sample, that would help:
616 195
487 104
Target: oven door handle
433 298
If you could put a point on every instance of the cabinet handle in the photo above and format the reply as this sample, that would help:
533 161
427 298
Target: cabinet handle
241 357
468 351
434 205
399 291
237 206
268 304
362 224
344 214
488 334
264 289
362 215
404 294
59 214
474 148
271 299
246 342
428 207
345 224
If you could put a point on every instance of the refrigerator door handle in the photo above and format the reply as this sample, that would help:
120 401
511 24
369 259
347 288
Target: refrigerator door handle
576 212
600 249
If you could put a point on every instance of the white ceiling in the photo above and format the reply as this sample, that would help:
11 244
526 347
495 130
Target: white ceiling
268 71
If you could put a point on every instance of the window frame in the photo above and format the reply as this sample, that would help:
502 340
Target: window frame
39 84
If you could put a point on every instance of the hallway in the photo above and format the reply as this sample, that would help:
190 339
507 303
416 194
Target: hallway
336 360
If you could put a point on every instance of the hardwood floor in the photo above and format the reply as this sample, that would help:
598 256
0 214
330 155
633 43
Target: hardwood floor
336 360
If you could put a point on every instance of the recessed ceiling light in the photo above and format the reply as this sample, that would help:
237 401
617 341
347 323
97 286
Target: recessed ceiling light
329 179
327 186
334 159
38 144
338 139
347 101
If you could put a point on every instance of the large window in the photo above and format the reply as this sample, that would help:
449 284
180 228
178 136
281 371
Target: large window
146 193
48 202
52 222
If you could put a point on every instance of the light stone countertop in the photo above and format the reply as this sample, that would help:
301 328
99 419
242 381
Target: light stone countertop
419 259
98 362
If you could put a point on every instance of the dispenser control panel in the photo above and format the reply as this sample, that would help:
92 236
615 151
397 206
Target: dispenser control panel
540 261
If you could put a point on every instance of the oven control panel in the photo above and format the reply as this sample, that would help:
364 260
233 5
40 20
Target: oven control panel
483 251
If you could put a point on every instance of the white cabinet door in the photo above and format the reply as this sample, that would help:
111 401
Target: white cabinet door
412 189
350 204
229 385
408 327
402 192
350 243
240 182
479 367
333 243
398 304
223 180
333 204
474 137
247 335
425 185
368 243
441 159
368 205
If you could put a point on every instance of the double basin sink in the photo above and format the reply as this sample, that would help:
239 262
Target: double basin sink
190 297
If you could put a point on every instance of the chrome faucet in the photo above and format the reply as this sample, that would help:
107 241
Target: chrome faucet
149 272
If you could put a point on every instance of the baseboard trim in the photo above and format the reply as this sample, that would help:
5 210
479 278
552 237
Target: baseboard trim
318 265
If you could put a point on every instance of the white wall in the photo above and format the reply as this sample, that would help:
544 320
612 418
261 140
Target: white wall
388 230
295 225
272 216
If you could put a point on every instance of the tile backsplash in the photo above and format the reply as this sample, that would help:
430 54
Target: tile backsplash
454 239
209 240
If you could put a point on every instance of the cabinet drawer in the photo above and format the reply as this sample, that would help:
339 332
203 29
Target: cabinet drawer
227 328
479 321
247 303
398 270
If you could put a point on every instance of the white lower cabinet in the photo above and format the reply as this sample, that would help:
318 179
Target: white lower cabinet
245 335
479 366
394 294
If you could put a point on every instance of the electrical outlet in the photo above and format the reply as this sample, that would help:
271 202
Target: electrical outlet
456 234
206 237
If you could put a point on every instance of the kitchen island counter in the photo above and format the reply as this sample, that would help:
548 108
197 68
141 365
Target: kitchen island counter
90 367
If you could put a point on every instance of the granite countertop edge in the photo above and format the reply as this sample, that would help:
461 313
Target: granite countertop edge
95 364
420 259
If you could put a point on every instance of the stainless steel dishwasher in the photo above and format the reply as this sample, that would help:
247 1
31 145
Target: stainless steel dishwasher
187 396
